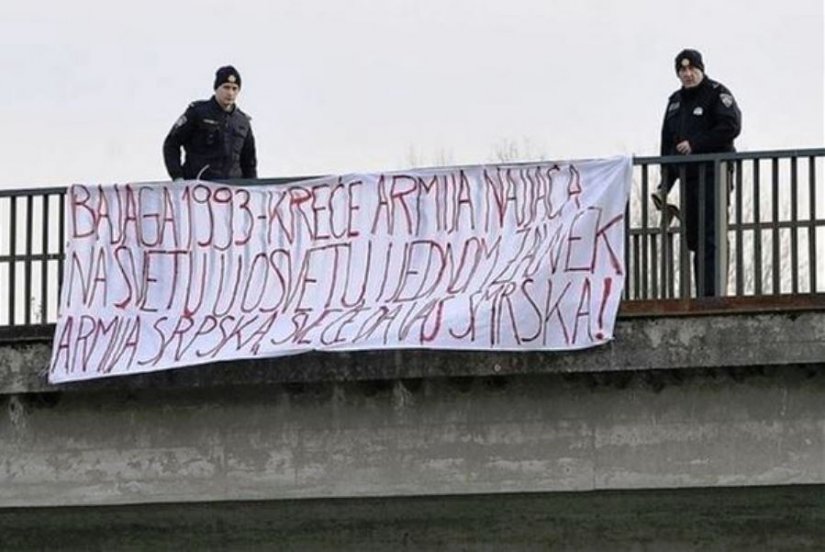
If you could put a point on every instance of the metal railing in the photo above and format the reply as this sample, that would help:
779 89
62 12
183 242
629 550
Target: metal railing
32 242
771 209
775 228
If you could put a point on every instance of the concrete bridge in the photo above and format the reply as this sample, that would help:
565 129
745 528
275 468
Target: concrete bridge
701 426
703 431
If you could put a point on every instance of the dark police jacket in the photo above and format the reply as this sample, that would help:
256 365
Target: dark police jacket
706 116
222 141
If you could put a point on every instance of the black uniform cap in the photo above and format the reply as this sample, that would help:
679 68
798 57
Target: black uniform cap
690 57
227 73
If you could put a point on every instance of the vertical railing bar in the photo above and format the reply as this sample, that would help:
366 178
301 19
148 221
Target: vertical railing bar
651 241
654 265
44 267
794 227
777 284
667 251
626 292
721 257
636 274
740 262
671 264
13 260
684 254
61 244
644 230
757 236
699 263
663 241
812 223
27 262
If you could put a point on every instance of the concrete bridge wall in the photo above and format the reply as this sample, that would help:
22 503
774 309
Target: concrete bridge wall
732 403
508 434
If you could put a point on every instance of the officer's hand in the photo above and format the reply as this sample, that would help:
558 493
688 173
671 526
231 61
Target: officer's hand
684 148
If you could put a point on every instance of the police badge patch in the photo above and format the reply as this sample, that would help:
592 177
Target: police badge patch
727 99
181 121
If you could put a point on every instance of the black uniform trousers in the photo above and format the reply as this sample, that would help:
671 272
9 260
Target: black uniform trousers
703 235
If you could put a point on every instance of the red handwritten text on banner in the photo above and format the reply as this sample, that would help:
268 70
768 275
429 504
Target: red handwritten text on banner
486 257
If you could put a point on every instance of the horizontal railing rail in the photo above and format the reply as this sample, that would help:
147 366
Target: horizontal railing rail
774 217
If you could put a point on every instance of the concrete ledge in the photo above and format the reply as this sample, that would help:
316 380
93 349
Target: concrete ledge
439 436
641 343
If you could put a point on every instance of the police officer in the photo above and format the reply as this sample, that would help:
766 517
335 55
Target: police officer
216 136
701 117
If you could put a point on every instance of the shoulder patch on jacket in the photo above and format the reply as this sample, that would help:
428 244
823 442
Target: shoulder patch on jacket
727 99
181 121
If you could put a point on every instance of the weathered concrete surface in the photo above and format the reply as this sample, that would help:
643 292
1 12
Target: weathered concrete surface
723 415
450 436
656 343
726 519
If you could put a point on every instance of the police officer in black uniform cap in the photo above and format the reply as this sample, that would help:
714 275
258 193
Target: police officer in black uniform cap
701 117
216 136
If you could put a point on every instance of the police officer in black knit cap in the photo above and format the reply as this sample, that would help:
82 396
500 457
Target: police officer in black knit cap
701 117
216 136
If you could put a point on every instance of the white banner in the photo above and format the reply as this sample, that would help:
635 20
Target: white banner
502 257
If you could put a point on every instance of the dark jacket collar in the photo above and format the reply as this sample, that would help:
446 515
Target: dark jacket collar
690 93
217 106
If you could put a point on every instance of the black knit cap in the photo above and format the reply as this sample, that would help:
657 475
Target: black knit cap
690 58
227 73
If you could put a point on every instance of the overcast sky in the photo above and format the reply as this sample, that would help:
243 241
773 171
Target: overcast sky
369 85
